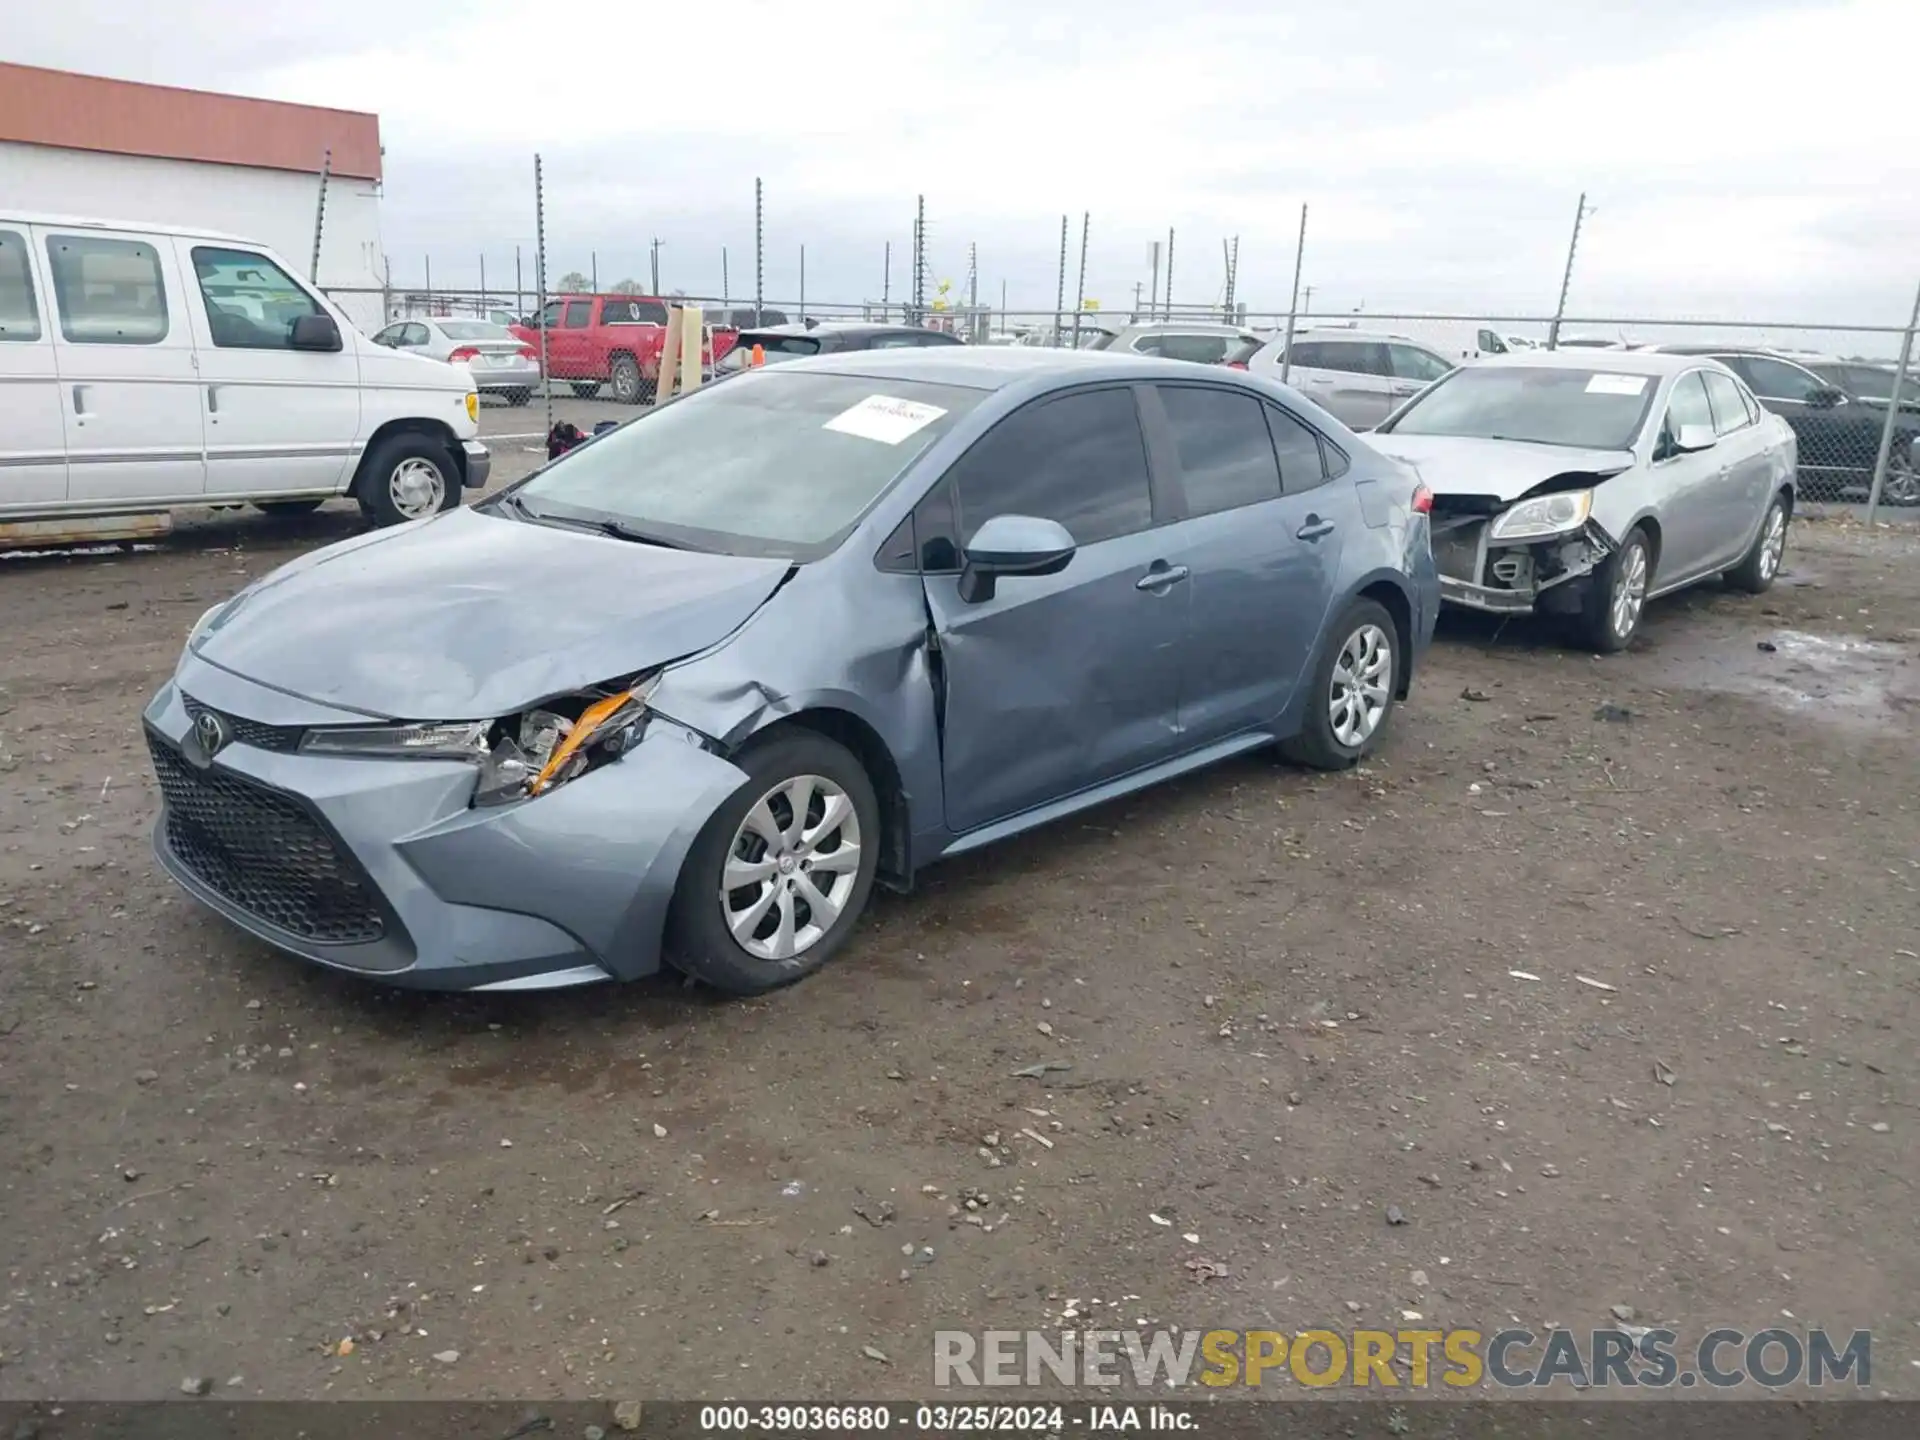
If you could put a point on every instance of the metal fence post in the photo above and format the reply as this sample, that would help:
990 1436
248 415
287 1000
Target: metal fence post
1566 278
1080 300
1885 457
320 212
1293 305
540 281
886 285
759 256
1060 290
1169 311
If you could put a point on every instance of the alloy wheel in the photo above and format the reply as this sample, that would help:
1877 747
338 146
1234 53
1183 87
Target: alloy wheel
1902 485
1775 545
1362 686
417 487
1629 591
791 868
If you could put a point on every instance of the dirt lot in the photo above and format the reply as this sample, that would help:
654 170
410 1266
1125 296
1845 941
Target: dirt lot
1288 1003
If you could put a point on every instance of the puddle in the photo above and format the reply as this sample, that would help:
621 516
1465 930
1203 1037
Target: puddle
1838 679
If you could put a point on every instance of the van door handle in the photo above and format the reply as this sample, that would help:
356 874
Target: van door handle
80 401
1314 528
1161 577
213 399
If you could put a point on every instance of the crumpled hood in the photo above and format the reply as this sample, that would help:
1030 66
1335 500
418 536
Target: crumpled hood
1502 469
469 616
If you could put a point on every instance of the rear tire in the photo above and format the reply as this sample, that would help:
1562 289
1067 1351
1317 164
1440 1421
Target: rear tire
284 508
763 932
1902 485
405 477
1755 573
1353 689
1616 597
627 382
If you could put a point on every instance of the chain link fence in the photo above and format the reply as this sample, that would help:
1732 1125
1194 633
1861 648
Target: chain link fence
549 323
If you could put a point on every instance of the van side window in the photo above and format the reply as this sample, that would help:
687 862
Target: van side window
109 292
251 302
19 316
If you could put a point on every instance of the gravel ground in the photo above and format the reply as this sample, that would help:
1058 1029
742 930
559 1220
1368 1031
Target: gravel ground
1288 1002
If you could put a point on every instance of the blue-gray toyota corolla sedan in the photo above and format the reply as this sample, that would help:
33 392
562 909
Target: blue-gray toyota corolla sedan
689 691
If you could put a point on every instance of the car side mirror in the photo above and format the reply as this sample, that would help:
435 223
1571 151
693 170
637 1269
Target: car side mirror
1692 438
315 332
1826 397
1013 545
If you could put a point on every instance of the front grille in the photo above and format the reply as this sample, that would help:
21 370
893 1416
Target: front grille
265 852
285 738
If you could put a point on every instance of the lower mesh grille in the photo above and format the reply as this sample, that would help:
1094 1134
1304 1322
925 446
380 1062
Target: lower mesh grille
264 852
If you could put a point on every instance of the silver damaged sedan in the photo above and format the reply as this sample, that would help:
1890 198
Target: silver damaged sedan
1586 483
691 690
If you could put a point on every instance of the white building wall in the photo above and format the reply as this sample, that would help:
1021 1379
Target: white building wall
275 207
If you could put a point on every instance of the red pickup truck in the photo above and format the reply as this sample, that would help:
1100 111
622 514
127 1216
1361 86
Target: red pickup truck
595 340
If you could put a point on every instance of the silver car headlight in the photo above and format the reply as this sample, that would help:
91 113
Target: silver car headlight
517 757
1543 516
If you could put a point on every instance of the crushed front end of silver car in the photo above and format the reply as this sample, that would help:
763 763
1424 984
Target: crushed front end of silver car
1515 558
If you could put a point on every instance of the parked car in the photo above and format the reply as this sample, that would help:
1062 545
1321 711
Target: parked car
1194 340
1359 377
795 342
500 362
1865 380
1585 485
610 340
1591 342
144 367
696 685
1839 429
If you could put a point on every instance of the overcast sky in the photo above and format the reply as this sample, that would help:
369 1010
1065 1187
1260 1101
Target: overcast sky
1745 157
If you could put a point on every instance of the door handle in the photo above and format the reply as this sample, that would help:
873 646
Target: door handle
1161 577
80 400
1314 528
213 399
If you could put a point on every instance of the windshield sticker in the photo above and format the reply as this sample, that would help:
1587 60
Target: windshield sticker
1616 384
884 418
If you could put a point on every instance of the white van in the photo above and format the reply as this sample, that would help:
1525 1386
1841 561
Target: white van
144 367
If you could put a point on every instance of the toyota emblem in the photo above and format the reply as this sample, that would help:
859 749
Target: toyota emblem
211 731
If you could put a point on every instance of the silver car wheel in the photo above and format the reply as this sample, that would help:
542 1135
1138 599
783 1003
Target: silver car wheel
791 868
1629 592
1775 545
417 487
1362 686
1902 485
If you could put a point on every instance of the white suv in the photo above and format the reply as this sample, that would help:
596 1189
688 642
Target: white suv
144 367
1357 376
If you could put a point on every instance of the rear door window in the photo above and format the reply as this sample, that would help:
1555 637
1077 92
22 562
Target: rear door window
1226 455
1354 357
1079 459
109 292
1201 349
19 311
1410 362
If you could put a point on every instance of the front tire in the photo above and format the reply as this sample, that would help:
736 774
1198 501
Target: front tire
1616 596
1756 572
779 875
408 476
1354 685
1902 485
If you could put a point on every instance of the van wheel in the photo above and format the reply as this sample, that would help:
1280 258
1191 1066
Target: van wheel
626 380
288 507
407 477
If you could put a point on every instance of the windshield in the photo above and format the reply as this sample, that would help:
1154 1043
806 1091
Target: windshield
773 347
473 330
1591 409
772 463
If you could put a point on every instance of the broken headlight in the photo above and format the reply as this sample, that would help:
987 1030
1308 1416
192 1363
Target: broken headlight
464 740
545 747
1543 516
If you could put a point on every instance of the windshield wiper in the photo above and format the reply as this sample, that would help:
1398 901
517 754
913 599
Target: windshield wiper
620 530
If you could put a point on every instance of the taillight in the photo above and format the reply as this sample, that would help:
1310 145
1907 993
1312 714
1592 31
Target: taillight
465 352
1422 500
1236 364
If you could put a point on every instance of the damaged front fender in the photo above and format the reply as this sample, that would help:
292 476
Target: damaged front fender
599 857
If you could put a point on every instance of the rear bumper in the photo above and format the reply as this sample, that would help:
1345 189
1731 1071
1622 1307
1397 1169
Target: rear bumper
493 380
479 463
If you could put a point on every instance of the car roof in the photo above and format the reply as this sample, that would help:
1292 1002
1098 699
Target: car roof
851 329
1623 362
1340 332
1175 327
996 367
95 222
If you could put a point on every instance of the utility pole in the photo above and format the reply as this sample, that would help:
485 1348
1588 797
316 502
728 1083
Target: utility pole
1060 290
1080 303
1135 314
886 284
483 282
1566 279
593 271
1293 306
655 266
803 284
519 291
726 297
1169 311
973 276
1153 290
1306 304
320 212
920 260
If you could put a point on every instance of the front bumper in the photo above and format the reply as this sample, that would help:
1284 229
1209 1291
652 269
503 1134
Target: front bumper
381 868
1515 577
479 463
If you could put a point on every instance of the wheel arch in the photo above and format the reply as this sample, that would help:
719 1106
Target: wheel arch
857 735
412 425
1392 597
